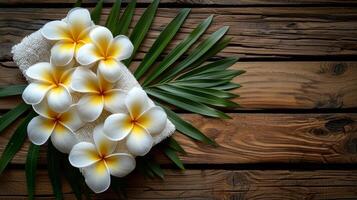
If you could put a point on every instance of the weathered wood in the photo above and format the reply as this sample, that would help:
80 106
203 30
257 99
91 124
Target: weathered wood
261 138
194 2
210 184
267 85
256 32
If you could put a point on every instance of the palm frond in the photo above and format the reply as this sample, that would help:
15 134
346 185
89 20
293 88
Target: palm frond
53 165
12 115
12 90
30 168
15 142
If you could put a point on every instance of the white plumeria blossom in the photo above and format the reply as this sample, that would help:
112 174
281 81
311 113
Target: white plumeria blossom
60 126
51 82
98 161
70 33
99 94
107 51
137 123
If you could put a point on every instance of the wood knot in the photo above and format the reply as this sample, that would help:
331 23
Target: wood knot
351 146
237 179
339 69
319 132
338 125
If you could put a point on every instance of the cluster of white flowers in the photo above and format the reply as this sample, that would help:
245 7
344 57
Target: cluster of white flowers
85 62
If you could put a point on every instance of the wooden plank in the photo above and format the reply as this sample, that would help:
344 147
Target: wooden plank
210 184
267 85
260 138
195 2
256 32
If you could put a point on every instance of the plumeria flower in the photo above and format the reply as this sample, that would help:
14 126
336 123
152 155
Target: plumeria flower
98 161
107 51
51 82
99 94
60 126
137 123
70 33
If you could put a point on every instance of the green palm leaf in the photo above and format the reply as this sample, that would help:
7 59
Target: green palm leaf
186 128
12 115
179 50
54 170
113 18
30 168
12 90
161 42
199 51
173 144
73 177
96 12
15 142
186 104
172 155
141 28
125 19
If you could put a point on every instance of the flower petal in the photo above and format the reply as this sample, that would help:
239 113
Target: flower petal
66 77
84 80
97 177
114 101
88 54
139 141
59 99
62 53
44 110
35 92
136 102
63 138
78 20
39 129
56 30
83 154
110 69
153 120
71 119
41 71
101 37
90 107
117 126
120 164
104 145
121 48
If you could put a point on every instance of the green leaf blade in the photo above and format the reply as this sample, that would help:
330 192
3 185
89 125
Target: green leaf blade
173 144
12 90
179 50
198 96
161 42
172 155
96 12
141 28
54 171
12 115
186 128
199 51
125 19
186 104
113 18
15 142
30 168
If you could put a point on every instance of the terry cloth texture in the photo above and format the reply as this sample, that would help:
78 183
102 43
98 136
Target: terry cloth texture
35 48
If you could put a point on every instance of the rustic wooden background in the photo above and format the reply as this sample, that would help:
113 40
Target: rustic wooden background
295 136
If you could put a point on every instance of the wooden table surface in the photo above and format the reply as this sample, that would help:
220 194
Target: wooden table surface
295 135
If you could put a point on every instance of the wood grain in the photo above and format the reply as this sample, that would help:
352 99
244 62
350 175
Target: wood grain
196 2
267 85
210 184
261 138
256 32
